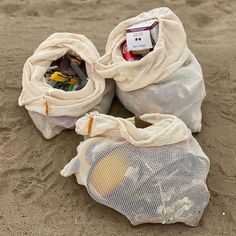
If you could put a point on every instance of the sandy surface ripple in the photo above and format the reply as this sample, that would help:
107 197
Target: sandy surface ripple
34 198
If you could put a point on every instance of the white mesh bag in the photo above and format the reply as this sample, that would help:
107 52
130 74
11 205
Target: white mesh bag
151 175
167 80
53 110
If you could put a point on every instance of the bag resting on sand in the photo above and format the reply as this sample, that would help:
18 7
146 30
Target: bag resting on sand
155 174
53 110
167 80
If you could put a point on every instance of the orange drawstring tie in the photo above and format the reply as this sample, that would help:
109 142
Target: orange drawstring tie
90 125
46 108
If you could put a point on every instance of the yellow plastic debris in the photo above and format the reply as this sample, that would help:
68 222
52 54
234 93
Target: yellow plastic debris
59 77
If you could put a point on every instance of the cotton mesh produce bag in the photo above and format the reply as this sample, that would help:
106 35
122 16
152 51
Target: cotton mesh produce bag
155 174
53 110
167 80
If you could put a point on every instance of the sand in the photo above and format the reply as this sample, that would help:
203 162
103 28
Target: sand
34 198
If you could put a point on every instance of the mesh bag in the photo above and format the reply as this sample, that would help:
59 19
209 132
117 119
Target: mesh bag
151 175
167 80
53 110
181 94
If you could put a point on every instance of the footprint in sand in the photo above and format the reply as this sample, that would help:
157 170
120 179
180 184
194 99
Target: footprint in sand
201 18
18 173
11 8
33 183
5 134
28 191
23 181
52 8
221 184
194 3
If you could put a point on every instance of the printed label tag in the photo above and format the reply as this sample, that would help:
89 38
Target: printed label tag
139 40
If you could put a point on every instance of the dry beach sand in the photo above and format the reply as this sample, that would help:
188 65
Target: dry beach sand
34 198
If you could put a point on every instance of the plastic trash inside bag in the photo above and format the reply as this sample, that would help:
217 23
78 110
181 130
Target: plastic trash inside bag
67 73
155 174
53 107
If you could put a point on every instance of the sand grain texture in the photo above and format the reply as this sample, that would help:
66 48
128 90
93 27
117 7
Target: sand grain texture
34 198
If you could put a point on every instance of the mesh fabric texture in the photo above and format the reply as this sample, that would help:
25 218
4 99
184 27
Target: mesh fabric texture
159 185
167 80
148 180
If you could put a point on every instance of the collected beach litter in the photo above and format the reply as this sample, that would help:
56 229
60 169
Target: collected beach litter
60 83
67 73
154 70
149 167
153 174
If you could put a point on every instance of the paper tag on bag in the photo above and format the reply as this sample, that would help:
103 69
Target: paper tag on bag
139 40
141 36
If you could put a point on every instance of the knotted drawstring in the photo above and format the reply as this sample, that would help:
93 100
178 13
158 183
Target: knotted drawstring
46 105
46 108
90 125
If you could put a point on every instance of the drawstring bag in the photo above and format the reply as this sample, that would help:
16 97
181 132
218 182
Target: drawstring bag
167 80
53 110
155 174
